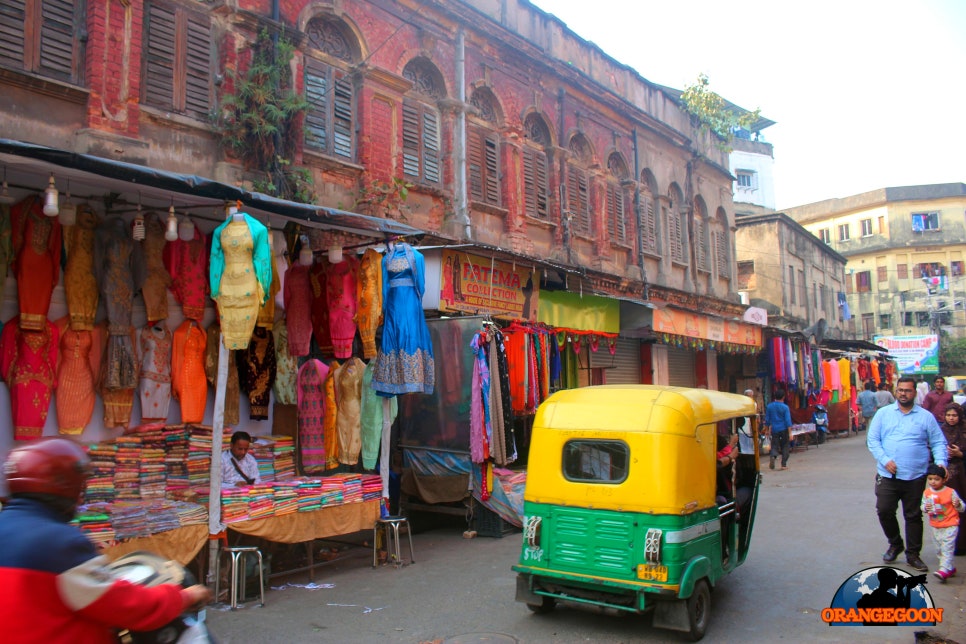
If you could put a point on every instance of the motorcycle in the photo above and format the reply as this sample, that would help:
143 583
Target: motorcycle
820 418
149 569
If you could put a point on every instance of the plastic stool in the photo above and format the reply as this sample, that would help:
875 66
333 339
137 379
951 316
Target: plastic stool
390 530
237 573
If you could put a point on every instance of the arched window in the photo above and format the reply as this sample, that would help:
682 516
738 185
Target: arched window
616 199
578 185
648 217
483 149
721 245
702 250
535 167
675 226
420 122
330 121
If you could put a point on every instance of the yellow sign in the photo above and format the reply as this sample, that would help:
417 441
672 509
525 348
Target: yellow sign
475 284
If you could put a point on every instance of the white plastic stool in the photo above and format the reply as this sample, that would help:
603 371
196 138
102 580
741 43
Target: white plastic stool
390 530
237 572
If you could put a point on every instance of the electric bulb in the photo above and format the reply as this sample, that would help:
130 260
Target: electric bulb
335 254
51 206
171 232
186 229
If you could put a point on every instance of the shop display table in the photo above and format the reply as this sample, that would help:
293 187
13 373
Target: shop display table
181 544
803 434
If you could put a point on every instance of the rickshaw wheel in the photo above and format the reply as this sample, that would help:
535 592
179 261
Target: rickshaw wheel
699 610
546 605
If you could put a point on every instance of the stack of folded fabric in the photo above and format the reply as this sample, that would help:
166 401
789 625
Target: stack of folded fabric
199 457
234 504
130 519
333 491
264 457
261 500
309 494
283 450
94 520
127 472
176 459
371 487
153 469
190 513
100 487
352 487
286 497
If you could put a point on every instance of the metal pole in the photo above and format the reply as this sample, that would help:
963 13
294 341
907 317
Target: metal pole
214 485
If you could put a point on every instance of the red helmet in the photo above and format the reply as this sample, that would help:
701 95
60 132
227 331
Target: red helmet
54 466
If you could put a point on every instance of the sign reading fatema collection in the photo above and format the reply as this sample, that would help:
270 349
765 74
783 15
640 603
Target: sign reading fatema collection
475 284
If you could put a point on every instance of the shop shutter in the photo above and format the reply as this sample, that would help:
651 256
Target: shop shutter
622 368
680 367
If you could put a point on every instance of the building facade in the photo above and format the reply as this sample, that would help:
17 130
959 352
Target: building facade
906 251
502 127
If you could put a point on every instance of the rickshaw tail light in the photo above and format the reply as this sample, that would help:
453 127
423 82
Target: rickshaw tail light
652 546
531 531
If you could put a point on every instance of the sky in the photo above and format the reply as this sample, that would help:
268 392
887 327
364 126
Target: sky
865 94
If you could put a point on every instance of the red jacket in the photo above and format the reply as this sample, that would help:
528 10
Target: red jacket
53 587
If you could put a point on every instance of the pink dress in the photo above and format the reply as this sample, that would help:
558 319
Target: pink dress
311 402
341 301
298 310
28 363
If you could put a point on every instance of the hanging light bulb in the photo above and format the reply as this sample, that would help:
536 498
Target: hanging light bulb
5 197
51 207
335 254
68 212
137 226
186 229
171 232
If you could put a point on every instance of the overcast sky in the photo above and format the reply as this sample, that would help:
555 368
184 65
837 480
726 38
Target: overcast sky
865 94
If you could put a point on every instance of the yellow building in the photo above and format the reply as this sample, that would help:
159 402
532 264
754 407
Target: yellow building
906 248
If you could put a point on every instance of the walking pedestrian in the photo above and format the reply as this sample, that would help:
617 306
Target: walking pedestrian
954 429
901 437
778 422
867 404
883 397
943 506
936 400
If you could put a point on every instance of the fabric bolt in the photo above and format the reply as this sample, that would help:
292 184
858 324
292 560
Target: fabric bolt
154 354
298 310
78 364
516 357
371 418
405 361
319 282
330 418
156 281
240 271
80 283
369 300
341 287
232 413
348 383
311 415
256 366
37 245
188 382
845 377
286 368
187 264
28 363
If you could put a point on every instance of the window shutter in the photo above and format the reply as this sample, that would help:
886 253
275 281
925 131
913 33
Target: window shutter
721 250
159 57
197 85
12 16
57 39
492 161
342 128
535 183
674 234
701 243
430 146
410 134
615 214
648 223
316 93
475 164
578 198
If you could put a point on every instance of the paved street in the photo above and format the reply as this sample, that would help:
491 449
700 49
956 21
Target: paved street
816 526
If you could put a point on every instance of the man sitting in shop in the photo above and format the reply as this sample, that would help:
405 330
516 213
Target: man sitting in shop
238 467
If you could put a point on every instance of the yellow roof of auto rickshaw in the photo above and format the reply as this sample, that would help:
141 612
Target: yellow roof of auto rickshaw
651 408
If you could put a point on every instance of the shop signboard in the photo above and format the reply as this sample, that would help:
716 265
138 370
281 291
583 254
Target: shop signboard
474 284
914 354
695 325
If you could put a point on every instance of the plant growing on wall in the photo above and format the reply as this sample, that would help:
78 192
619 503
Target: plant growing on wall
259 122
711 112
384 198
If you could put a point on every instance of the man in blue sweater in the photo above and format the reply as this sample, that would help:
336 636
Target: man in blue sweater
778 422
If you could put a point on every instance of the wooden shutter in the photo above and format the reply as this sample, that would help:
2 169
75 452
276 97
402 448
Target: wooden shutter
197 85
57 39
316 94
648 223
491 148
474 162
674 234
12 45
535 183
343 130
721 251
615 214
159 57
701 243
410 135
578 198
431 147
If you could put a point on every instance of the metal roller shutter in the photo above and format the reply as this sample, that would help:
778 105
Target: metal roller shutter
622 368
680 367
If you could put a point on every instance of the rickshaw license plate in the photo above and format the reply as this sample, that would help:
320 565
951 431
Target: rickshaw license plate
652 572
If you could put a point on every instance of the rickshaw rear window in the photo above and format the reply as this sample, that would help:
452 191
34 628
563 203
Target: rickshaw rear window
596 461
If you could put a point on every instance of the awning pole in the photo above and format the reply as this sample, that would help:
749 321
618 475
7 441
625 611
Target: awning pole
214 485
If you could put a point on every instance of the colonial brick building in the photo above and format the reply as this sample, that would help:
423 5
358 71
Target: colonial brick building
507 130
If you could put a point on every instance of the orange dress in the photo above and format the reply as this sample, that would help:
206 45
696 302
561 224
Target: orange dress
80 285
369 298
78 365
330 419
188 383
28 362
36 244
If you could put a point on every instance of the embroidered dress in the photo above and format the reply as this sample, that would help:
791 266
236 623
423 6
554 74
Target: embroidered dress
80 285
154 352
188 371
371 418
232 388
369 300
298 310
256 366
341 299
318 280
28 360
187 264
241 276
405 361
330 419
348 386
311 405
76 380
36 243
156 281
286 368
118 401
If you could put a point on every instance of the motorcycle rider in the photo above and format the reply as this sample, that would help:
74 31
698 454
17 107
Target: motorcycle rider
53 584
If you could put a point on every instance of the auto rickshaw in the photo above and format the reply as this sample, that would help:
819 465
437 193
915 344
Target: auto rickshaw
627 505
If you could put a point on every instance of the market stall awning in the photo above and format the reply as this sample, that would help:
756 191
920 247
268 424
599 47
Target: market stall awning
28 166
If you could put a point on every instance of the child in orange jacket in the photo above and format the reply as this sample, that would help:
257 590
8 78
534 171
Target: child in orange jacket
943 506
